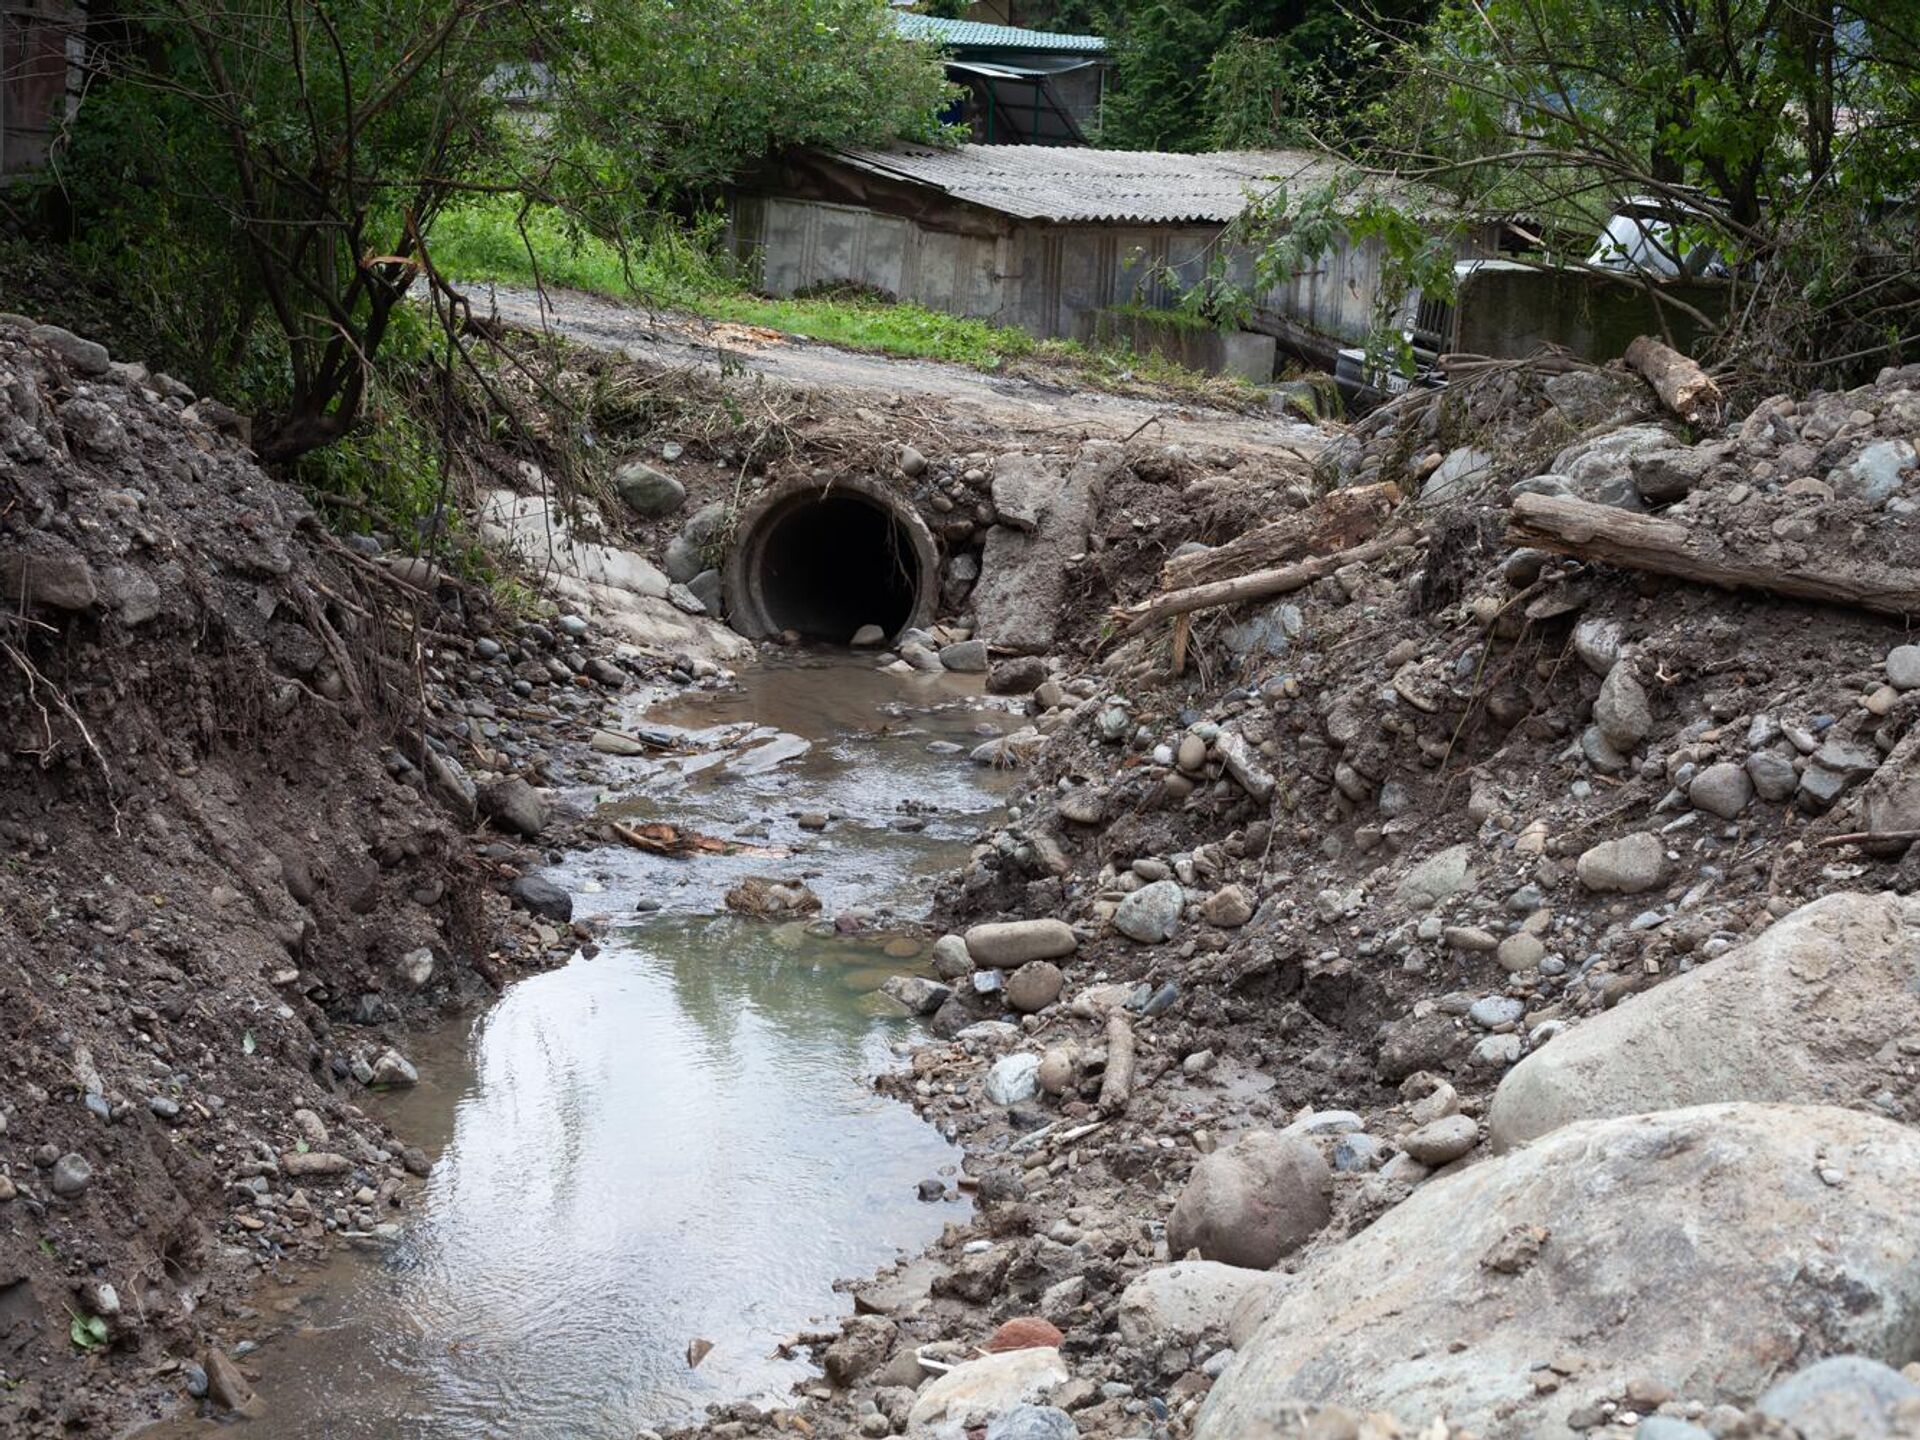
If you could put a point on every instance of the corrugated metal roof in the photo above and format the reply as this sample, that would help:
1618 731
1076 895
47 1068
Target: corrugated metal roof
1048 182
971 34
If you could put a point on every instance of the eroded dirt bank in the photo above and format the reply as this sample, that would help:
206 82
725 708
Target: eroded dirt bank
265 798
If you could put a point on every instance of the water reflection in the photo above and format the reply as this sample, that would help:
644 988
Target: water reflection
672 1140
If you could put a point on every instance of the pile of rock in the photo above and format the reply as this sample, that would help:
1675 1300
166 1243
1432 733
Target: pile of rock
1493 864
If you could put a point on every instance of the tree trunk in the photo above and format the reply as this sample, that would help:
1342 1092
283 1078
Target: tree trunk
1683 387
1667 547
1342 519
287 437
1257 586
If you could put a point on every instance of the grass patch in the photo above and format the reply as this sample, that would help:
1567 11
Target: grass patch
677 269
492 240
1184 321
891 328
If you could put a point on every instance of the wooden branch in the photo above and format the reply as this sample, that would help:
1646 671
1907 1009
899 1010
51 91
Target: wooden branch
1262 583
1182 633
1342 519
1667 547
1116 1085
1869 837
1683 387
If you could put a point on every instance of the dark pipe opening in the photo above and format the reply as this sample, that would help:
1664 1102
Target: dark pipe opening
830 567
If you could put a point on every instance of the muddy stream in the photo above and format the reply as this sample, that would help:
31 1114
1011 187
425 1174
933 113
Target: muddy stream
676 1138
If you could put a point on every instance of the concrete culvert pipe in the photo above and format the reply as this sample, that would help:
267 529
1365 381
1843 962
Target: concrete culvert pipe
825 561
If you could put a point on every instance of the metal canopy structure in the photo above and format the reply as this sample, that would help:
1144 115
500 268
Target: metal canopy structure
1013 105
1023 87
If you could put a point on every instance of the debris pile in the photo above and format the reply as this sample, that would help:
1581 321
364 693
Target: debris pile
1518 810
1345 943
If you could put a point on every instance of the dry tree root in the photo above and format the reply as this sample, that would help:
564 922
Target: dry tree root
36 682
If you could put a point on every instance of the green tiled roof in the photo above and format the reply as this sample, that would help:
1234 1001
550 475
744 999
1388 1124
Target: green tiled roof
972 35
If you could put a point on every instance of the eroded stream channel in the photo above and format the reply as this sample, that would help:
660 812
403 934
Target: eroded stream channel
674 1139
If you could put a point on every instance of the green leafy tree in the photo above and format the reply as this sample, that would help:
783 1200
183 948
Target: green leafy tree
1199 74
285 161
1160 56
656 103
1314 72
1780 137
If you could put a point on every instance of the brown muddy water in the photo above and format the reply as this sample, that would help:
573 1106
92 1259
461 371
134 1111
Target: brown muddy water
676 1138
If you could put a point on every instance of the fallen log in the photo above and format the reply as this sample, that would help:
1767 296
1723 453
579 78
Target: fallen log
1134 618
1341 519
1683 387
1667 547
1116 1085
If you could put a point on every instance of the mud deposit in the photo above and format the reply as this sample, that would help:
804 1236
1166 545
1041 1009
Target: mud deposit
676 1138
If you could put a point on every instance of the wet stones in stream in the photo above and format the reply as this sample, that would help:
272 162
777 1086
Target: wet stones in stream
918 994
760 895
540 896
514 806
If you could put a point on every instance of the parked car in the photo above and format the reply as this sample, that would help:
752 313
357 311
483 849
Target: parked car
1650 235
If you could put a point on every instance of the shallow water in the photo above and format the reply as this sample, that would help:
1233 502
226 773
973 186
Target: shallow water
849 740
677 1138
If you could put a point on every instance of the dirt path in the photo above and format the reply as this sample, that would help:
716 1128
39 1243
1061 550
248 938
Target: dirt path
1007 404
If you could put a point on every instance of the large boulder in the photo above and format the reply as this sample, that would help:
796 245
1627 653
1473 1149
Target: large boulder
1193 1300
980 1391
1463 472
1890 801
1600 468
861 1349
648 492
1151 914
1663 476
89 357
1437 878
1809 1013
1024 566
1711 1249
540 896
1009 944
1621 710
1034 986
515 806
1626 866
47 572
621 589
1251 1202
1846 1398
1874 475
1024 490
